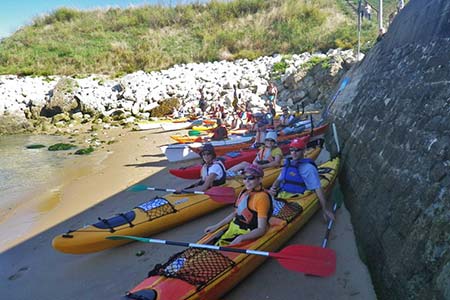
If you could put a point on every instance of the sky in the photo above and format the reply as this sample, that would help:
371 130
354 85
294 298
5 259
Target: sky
17 13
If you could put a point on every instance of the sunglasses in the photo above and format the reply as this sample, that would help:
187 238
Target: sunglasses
295 149
250 177
206 153
270 140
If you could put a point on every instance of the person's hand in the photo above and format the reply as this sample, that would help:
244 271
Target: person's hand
210 228
273 191
328 215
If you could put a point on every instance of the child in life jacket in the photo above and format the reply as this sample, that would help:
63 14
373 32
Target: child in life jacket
268 156
298 175
252 210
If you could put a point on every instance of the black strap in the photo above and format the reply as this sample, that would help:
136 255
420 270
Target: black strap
126 219
106 222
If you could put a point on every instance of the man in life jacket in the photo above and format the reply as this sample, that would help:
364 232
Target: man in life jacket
268 156
212 172
286 118
252 210
298 175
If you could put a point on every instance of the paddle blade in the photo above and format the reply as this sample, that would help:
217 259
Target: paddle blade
126 237
222 194
307 259
137 188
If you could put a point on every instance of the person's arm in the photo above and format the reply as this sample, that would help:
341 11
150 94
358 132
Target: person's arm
224 221
328 214
274 163
254 234
206 184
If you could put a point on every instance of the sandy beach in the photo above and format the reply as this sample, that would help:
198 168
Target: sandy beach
32 269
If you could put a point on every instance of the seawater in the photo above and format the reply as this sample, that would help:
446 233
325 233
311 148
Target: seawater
23 171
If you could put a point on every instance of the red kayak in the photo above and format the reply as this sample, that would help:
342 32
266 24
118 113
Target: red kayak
233 158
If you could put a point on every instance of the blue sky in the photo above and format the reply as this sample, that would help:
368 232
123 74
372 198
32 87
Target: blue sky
16 13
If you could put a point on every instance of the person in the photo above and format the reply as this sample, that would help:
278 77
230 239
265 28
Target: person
220 132
400 5
268 156
286 119
202 102
380 34
298 175
175 113
272 94
251 214
235 102
368 10
260 127
212 172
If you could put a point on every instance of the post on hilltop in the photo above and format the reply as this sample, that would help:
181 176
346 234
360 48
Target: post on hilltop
380 14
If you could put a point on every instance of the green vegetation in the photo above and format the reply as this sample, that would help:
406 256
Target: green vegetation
119 41
165 108
61 146
84 151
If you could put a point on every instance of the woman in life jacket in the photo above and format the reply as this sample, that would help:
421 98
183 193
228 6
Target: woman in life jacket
252 210
298 175
212 172
268 156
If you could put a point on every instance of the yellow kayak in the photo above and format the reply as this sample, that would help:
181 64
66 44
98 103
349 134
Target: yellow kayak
153 216
206 274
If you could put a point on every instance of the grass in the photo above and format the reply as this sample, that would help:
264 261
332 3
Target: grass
119 41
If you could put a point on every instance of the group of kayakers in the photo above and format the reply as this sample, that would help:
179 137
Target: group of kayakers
253 207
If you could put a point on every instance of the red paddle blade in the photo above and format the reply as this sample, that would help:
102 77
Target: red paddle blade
307 259
222 194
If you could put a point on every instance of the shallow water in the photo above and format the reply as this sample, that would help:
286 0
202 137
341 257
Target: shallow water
24 171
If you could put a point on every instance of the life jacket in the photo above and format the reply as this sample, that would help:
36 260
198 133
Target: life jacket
264 156
220 133
292 181
247 218
218 181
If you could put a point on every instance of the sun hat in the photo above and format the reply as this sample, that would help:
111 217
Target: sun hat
254 170
271 135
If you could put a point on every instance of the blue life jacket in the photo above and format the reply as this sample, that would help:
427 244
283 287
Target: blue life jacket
292 181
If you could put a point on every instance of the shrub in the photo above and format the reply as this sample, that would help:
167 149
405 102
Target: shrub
165 108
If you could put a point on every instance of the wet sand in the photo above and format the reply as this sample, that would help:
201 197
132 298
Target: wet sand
32 269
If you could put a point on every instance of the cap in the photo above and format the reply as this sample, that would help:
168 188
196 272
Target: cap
254 170
208 147
299 143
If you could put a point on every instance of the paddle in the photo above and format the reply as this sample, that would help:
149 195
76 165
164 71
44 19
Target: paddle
221 194
341 88
299 258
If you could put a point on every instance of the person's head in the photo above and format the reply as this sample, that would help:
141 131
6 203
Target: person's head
208 153
253 175
297 147
285 110
270 139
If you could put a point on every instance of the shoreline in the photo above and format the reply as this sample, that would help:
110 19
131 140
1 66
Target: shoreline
135 158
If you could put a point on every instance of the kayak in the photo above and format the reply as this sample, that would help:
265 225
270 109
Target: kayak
204 127
208 274
176 126
180 152
148 218
156 124
230 159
